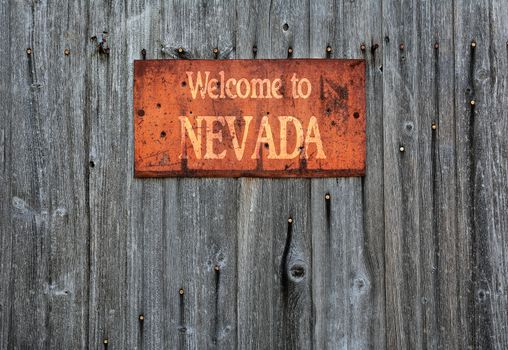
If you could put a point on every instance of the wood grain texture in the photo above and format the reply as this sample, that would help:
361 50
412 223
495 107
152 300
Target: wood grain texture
44 243
274 256
348 271
413 255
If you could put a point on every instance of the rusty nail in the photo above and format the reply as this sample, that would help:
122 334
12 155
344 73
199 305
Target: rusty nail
290 50
436 45
327 196
473 44
362 47
141 317
181 291
28 51
473 102
216 268
180 50
402 149
328 48
67 52
290 220
434 126
401 46
105 341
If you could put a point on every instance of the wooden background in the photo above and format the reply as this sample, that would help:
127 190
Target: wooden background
412 256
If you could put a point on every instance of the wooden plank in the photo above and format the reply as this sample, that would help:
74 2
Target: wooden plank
493 165
6 101
274 300
200 214
110 180
401 177
481 164
347 214
146 263
469 26
44 236
436 151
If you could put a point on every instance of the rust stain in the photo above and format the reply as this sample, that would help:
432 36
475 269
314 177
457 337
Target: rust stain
257 118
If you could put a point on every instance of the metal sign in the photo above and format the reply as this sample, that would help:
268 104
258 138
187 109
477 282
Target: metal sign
260 118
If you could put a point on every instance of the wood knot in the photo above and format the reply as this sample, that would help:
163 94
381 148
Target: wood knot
297 272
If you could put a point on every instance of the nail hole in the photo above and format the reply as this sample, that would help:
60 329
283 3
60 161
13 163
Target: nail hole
285 27
163 134
356 115
184 83
158 105
141 112
92 164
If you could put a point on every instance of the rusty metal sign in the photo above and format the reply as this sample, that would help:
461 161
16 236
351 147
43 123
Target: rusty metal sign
260 118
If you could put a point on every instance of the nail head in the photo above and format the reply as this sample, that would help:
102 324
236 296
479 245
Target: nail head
328 49
290 50
28 51
402 149
215 50
327 196
105 341
434 126
362 47
473 102
473 44
181 291
290 220
401 46
436 45
67 52
180 50
141 317
216 268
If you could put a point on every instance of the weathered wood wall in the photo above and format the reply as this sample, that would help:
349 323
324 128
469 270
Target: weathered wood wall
412 256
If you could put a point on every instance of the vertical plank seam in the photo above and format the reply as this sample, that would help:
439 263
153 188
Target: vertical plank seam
87 140
383 35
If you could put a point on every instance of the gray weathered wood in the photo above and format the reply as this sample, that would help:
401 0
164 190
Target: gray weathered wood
411 256
44 217
274 256
347 269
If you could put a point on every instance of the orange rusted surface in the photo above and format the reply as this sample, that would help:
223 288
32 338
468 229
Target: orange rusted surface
259 118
